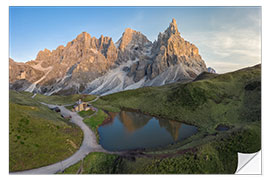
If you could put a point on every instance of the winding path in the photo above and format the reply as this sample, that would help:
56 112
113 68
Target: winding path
89 144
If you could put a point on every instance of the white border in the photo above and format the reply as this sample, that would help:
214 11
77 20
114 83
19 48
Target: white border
265 72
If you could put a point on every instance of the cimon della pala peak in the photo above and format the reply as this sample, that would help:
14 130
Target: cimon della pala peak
100 66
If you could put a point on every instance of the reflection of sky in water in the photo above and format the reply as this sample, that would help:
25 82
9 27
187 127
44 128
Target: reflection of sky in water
130 130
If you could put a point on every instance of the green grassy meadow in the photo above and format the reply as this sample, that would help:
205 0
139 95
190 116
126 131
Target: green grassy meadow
95 121
232 100
206 103
87 113
210 101
94 163
62 100
38 136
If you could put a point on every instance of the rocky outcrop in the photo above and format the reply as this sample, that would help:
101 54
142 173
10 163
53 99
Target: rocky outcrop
133 46
72 66
168 51
211 70
171 49
22 71
91 65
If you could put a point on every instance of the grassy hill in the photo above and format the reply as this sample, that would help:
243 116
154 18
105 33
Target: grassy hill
62 100
231 100
94 163
228 99
38 136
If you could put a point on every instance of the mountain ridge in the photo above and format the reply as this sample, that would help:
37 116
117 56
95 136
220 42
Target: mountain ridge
133 61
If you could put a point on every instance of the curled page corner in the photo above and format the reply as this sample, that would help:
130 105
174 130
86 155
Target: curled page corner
249 163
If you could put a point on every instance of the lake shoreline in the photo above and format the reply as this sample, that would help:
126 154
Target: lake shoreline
122 131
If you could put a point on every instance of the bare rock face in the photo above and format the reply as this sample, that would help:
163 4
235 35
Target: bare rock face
139 69
132 39
96 56
168 51
22 71
98 66
171 49
80 61
133 46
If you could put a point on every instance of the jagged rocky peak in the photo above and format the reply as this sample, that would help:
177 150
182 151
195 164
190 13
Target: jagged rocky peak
175 44
172 29
132 38
98 66
171 49
43 54
104 40
173 22
83 36
84 41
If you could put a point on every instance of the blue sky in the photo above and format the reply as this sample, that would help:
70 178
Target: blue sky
228 38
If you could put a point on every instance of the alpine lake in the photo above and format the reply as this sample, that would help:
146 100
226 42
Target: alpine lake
128 130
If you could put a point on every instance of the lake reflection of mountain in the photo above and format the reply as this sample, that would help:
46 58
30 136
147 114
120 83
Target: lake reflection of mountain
131 130
133 121
171 126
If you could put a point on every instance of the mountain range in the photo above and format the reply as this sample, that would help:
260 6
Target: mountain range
100 66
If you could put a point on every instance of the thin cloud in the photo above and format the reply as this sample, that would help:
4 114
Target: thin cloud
226 49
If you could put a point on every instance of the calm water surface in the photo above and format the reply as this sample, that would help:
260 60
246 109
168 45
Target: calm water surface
132 130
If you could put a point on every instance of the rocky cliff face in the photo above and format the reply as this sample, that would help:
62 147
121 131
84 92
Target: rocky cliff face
171 49
81 60
133 45
19 71
22 75
171 56
98 66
